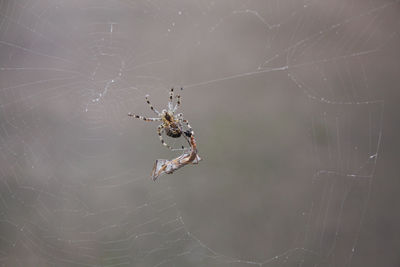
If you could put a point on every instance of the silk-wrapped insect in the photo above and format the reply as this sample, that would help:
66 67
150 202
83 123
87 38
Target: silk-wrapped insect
164 166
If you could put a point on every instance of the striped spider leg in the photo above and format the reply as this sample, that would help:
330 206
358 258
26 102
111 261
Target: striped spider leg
186 122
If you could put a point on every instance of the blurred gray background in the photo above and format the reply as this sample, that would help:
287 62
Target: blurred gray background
295 109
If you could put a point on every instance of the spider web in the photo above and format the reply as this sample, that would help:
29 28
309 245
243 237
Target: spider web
285 99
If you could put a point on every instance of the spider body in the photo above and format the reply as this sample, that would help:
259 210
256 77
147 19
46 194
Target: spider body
172 124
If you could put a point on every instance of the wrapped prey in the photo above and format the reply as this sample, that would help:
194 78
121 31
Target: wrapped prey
164 166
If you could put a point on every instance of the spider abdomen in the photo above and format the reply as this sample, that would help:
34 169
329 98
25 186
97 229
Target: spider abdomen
173 132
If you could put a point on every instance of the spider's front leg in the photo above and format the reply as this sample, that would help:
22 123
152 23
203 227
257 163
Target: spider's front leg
143 118
151 106
171 94
170 103
178 101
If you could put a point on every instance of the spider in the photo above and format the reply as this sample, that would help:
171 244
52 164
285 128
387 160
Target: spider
171 123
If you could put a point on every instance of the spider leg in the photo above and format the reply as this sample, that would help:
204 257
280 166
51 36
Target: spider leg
188 125
160 128
143 118
171 96
151 106
190 131
178 102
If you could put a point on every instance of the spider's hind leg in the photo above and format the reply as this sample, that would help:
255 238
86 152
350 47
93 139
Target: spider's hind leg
188 126
188 133
160 129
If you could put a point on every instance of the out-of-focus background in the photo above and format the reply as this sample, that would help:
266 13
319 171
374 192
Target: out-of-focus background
295 109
